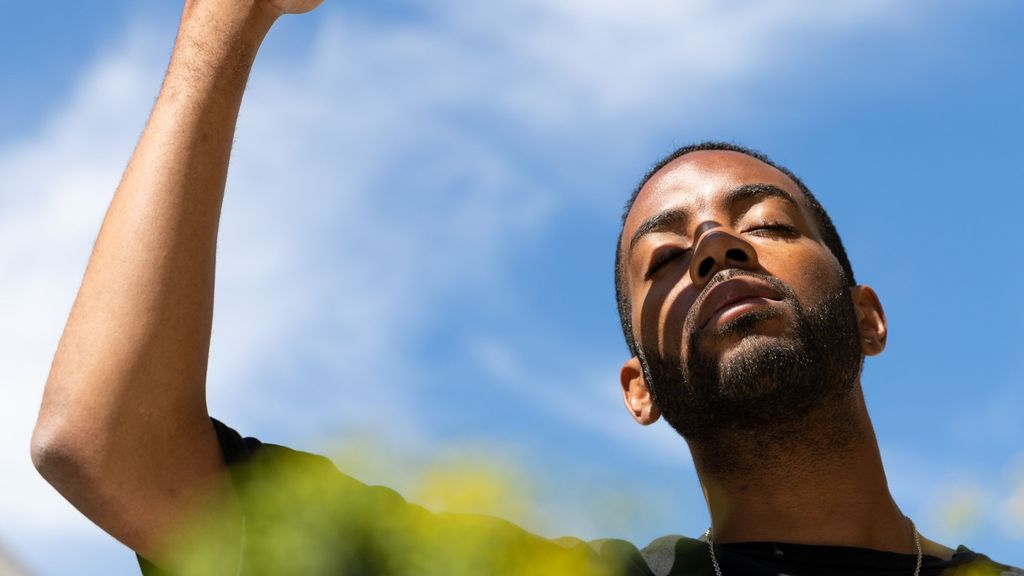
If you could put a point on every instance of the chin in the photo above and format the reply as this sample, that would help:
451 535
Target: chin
741 348
747 333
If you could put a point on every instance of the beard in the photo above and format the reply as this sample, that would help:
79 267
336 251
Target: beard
766 390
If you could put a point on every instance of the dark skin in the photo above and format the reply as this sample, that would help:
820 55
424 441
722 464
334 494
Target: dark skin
696 217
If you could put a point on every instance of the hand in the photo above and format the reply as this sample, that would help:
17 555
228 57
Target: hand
293 6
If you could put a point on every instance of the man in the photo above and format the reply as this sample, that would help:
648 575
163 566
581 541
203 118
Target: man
739 306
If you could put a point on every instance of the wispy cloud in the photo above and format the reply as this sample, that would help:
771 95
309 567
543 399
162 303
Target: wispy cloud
585 395
569 62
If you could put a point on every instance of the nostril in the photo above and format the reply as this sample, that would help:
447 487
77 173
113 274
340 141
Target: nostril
736 255
705 266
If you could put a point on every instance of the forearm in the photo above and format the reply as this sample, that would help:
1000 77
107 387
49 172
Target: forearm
145 305
126 392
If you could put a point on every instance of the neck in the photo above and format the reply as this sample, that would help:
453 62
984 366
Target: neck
819 481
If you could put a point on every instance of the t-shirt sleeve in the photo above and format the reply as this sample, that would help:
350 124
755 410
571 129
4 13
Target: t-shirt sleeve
234 448
301 515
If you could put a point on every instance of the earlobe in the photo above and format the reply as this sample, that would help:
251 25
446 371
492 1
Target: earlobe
635 393
871 322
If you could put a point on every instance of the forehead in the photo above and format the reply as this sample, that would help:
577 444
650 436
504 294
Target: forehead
695 180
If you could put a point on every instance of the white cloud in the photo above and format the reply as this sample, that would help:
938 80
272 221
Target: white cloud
362 192
572 62
587 399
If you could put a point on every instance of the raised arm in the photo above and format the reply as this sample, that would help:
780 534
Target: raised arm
123 432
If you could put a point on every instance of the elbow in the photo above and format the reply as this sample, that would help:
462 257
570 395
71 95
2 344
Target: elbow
60 445
52 452
68 464
58 456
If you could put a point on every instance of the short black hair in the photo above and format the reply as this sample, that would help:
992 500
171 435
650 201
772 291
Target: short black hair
828 230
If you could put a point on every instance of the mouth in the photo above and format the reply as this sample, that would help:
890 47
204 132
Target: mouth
729 299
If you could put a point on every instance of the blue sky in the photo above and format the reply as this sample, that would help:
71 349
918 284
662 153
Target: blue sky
416 251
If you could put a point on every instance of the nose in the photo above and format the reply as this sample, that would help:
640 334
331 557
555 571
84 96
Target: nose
718 249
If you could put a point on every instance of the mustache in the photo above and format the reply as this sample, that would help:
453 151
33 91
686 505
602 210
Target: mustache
787 292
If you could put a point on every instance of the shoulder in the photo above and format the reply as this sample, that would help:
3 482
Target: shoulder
303 515
298 514
261 470
967 561
672 555
676 555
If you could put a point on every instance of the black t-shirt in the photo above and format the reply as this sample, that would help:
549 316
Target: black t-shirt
301 515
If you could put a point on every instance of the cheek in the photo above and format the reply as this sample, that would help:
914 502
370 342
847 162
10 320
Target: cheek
660 316
810 271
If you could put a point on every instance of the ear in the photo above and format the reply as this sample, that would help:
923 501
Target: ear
871 321
635 393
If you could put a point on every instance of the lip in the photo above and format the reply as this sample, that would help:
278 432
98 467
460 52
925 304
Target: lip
734 294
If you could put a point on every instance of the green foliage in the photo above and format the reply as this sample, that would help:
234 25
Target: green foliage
302 516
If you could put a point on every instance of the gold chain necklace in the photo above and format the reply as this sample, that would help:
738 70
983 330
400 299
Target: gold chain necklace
917 546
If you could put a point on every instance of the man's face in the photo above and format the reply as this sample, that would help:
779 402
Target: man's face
741 313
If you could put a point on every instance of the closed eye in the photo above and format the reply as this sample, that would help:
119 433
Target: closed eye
663 257
773 228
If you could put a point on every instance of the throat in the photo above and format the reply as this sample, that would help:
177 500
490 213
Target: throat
818 482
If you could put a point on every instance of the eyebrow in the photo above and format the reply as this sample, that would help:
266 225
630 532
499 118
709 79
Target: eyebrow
675 218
